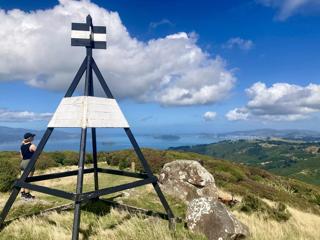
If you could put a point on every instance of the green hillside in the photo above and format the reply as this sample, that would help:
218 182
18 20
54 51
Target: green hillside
235 178
296 159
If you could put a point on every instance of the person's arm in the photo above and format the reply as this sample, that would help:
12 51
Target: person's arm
21 154
32 148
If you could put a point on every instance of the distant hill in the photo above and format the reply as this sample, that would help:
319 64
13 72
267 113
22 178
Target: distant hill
9 134
297 159
293 134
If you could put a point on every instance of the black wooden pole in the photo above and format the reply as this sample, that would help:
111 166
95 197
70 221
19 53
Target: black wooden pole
93 135
82 155
148 170
77 212
95 159
101 80
76 79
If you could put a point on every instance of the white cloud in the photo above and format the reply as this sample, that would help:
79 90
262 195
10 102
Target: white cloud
163 21
16 116
287 8
280 102
238 114
209 116
239 43
172 70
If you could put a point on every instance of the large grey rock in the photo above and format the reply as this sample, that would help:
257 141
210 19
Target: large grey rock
186 180
210 217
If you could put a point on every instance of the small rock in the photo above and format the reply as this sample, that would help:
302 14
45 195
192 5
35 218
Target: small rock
210 217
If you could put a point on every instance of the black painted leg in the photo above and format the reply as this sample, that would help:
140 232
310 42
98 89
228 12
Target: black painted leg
95 160
9 204
150 174
172 223
77 210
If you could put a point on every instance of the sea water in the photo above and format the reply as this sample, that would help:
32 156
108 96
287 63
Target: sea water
117 142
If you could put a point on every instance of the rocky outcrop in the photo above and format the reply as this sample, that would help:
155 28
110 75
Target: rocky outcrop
186 180
211 217
192 183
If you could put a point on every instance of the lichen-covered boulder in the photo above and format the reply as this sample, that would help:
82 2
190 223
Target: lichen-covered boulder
186 180
211 217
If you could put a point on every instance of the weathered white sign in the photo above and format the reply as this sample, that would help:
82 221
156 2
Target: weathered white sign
88 111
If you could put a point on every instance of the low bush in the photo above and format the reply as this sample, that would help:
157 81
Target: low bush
251 204
58 157
46 163
124 163
9 172
281 213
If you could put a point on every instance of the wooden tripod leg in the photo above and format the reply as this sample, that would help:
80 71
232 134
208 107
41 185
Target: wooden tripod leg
77 210
95 160
172 222
8 205
150 174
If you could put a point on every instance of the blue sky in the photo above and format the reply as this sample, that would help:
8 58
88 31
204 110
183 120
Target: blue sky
269 49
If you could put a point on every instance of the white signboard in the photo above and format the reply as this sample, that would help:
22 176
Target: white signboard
89 112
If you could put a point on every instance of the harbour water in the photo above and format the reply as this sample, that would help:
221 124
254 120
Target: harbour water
118 141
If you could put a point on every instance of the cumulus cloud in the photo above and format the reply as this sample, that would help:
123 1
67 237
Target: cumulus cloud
209 116
16 116
172 70
240 43
280 102
238 114
287 8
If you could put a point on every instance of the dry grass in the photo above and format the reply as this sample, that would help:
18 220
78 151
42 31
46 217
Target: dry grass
301 226
113 226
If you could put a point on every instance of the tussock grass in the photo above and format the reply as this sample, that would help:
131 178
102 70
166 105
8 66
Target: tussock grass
301 226
113 226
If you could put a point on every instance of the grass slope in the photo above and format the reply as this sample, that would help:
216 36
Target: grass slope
236 178
297 159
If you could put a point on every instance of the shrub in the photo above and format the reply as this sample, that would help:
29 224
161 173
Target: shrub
71 160
46 163
281 213
316 199
89 158
124 163
9 172
58 157
251 204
